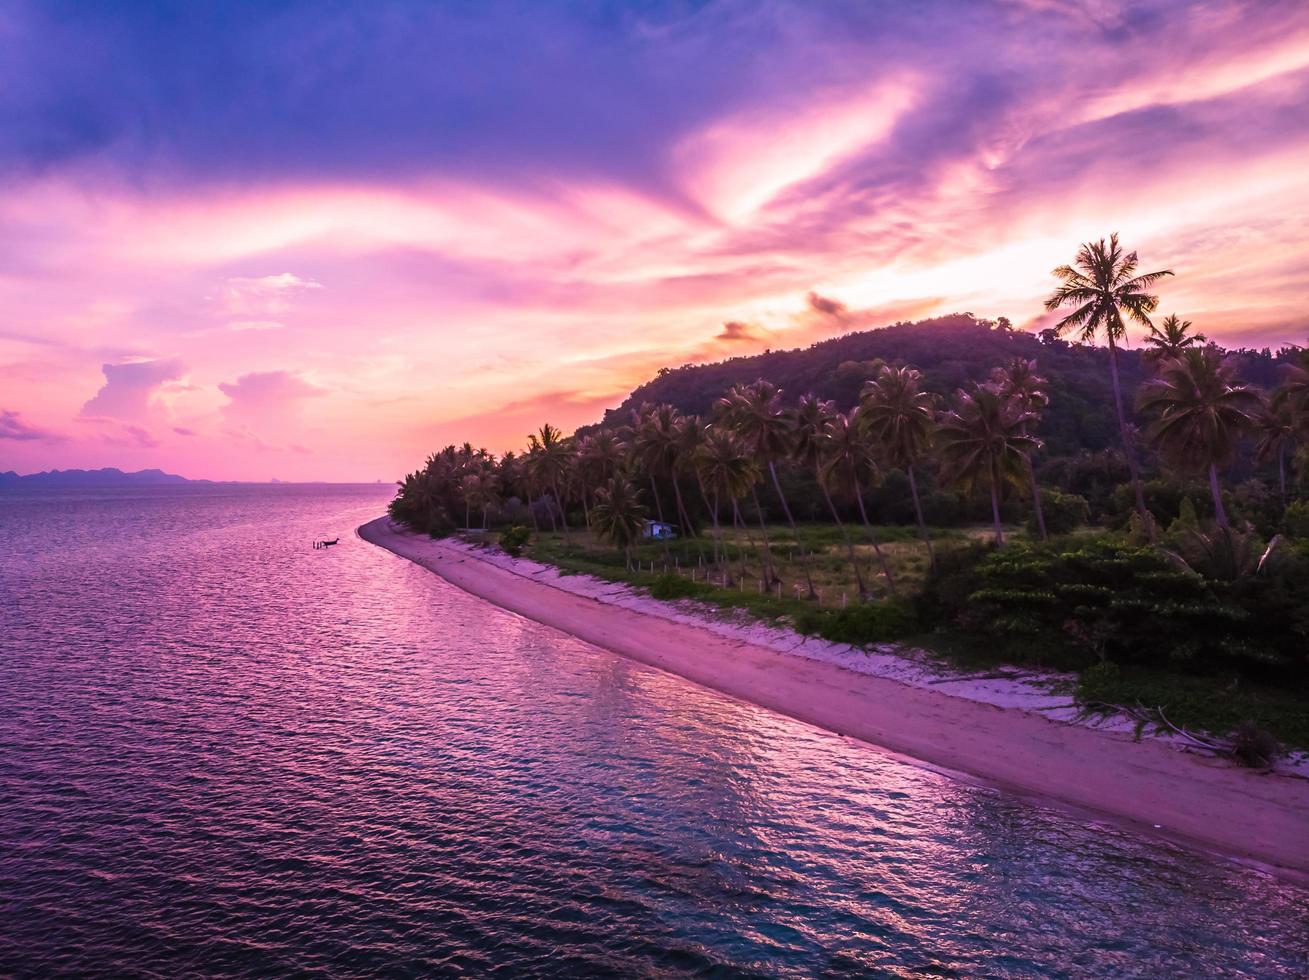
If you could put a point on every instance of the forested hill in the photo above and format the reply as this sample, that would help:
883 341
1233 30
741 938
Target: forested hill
950 351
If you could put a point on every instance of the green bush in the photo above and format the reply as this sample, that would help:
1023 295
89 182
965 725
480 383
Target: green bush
670 586
1295 521
1064 513
860 624
514 539
1107 599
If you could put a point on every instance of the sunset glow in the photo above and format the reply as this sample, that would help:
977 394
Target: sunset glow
312 245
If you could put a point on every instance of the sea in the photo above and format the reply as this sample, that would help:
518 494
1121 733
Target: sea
224 752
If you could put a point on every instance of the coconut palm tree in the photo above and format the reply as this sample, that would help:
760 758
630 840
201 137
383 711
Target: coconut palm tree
984 439
1292 395
1200 412
619 514
900 418
1170 338
755 414
655 446
1103 287
727 471
848 453
1275 433
812 418
1018 380
553 456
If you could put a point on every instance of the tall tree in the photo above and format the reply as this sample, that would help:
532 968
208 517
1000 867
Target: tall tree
554 456
813 418
900 417
619 514
755 414
726 471
984 440
1275 433
1170 338
1200 412
1018 380
655 446
1103 287
600 456
847 457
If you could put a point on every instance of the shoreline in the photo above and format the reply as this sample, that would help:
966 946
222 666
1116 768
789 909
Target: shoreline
1031 748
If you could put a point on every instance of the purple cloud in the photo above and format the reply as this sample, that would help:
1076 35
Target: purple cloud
13 427
128 388
262 394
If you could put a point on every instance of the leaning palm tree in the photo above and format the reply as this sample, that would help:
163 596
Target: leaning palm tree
812 418
727 471
984 440
1200 412
553 456
619 514
755 414
1170 338
847 455
1018 380
1103 288
900 417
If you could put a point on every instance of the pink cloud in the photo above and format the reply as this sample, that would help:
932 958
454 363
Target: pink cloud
130 387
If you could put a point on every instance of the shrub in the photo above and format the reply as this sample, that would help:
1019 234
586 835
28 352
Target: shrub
1295 521
514 538
1064 513
1113 600
1254 747
670 586
862 623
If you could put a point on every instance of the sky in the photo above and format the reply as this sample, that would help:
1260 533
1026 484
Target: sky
316 241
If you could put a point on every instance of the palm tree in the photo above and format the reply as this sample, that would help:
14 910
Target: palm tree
847 452
553 456
1275 432
654 444
1170 338
1292 395
1103 287
900 417
812 419
726 470
1018 380
1200 413
755 414
619 514
985 439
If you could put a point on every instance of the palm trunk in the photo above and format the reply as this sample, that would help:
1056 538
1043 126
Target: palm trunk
849 547
713 516
531 512
1220 515
1036 498
770 572
786 509
563 516
995 507
1281 471
659 511
872 538
468 520
922 524
738 522
586 510
1147 521
686 516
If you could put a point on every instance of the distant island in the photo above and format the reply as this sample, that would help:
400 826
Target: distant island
108 477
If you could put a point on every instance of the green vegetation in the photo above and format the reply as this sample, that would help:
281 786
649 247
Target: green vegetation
1162 556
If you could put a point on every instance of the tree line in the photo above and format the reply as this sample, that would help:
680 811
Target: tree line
674 467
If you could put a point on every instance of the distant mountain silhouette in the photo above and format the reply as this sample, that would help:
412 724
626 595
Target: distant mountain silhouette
108 477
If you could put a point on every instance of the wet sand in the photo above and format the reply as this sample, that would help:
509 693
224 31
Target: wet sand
1150 785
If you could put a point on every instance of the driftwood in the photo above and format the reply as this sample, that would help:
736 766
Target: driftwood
1155 716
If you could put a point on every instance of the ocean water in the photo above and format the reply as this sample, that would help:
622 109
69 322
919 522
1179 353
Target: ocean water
225 753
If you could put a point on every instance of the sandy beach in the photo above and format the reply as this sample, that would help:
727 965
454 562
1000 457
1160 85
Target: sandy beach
1007 734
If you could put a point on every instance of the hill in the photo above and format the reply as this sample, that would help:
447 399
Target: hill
107 477
950 351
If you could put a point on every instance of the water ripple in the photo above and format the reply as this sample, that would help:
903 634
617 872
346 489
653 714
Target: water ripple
222 752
